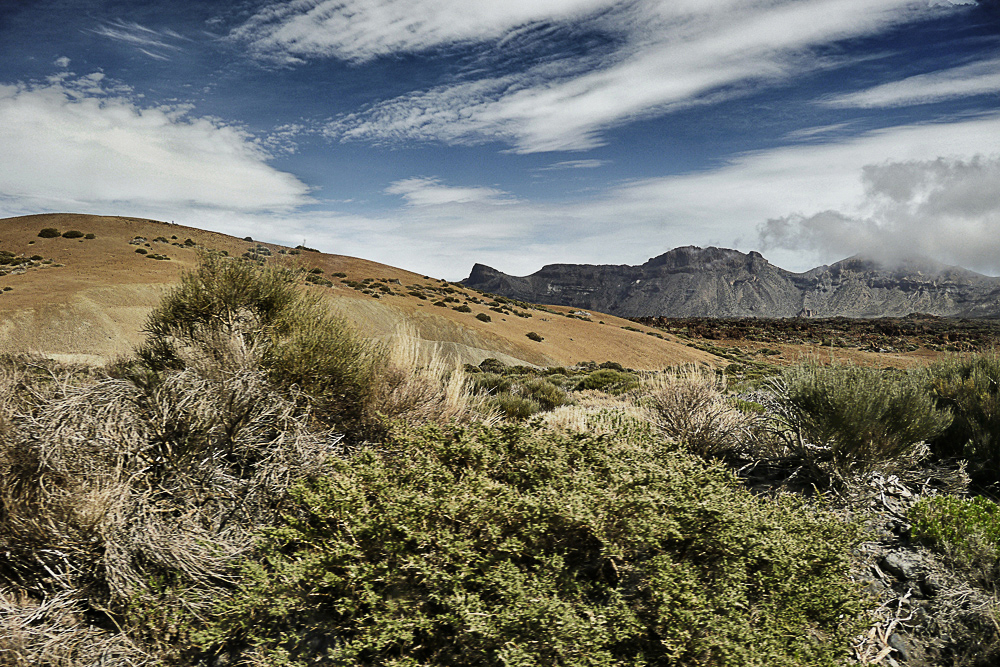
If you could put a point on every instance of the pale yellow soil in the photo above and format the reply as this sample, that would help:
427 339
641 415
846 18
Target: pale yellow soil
93 308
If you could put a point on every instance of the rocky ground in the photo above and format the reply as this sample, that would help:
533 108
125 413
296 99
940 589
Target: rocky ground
924 610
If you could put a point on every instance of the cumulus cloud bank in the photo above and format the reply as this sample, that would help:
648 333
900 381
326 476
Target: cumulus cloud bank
947 209
75 144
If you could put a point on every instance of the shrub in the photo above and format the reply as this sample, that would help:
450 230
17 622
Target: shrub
848 420
491 383
73 234
545 393
318 280
534 336
141 251
483 317
608 381
49 233
965 529
970 388
473 546
90 236
464 308
305 349
515 407
691 409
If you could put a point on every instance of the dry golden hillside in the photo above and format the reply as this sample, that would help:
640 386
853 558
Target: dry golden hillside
87 299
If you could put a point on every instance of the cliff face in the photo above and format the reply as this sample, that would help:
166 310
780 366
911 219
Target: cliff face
718 282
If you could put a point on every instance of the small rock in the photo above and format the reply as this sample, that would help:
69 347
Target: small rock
901 646
903 564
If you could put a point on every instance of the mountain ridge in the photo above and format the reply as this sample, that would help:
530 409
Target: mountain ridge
691 281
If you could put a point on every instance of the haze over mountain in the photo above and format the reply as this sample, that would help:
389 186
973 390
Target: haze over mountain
718 282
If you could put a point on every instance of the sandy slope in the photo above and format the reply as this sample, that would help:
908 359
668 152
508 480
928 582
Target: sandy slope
93 306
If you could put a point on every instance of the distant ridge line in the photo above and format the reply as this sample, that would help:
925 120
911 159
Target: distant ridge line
720 282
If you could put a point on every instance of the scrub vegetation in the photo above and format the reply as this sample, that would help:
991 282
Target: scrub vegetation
258 484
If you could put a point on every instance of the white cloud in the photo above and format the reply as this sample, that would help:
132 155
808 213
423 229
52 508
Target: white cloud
153 43
574 164
948 209
359 30
423 191
978 78
630 223
62 62
671 56
70 145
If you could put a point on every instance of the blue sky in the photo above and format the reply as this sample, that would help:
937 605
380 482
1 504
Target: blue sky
432 134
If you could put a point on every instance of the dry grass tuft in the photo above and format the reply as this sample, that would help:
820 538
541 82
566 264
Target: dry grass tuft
424 388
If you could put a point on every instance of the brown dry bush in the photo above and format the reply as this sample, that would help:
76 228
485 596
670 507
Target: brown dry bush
690 407
123 508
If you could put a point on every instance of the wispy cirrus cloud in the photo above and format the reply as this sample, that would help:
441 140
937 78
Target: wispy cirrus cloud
574 164
360 30
977 78
426 191
667 57
157 44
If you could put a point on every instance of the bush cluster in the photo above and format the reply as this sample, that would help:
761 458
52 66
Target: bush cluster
503 546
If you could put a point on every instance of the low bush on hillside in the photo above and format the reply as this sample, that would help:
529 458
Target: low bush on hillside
503 546
49 233
969 387
609 381
73 234
843 421
304 349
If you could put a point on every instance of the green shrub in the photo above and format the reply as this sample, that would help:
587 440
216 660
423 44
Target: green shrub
514 406
305 349
510 546
141 251
608 381
49 233
90 236
966 529
545 393
318 280
848 420
490 383
73 234
464 308
970 387
534 336
483 317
